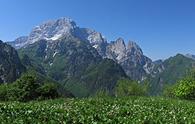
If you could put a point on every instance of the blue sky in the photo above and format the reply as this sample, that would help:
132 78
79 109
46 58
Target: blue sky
162 28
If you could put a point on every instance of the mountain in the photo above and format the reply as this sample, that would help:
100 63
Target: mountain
81 58
56 29
174 68
96 39
10 64
130 56
190 56
19 42
74 63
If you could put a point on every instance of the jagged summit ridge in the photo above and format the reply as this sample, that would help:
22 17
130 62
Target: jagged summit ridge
19 42
118 50
52 30
63 27
130 56
190 56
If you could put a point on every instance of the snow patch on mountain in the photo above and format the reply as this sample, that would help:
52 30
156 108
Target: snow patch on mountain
130 56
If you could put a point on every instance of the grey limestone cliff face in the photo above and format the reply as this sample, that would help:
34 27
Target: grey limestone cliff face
190 56
131 58
128 55
10 65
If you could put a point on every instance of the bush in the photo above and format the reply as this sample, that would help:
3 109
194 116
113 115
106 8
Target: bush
28 88
185 88
126 87
3 92
48 91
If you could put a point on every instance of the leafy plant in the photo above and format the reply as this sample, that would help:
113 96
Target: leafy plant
26 88
185 88
48 91
31 87
128 110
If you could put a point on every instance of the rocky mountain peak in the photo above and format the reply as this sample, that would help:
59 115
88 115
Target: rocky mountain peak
19 42
129 56
20 39
116 50
133 48
120 41
63 27
190 56
95 38
52 30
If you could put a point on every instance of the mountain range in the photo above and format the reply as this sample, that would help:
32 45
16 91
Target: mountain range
129 56
84 61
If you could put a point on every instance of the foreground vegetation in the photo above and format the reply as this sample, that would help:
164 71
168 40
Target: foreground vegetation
184 88
99 110
32 87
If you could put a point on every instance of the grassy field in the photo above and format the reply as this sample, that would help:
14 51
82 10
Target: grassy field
136 110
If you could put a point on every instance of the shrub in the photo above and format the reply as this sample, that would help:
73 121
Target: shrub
3 92
28 88
185 88
48 91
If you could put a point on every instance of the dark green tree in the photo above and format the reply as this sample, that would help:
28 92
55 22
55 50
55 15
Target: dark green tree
26 88
48 91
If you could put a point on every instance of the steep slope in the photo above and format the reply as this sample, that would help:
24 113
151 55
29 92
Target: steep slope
76 64
130 56
19 42
10 65
70 54
190 56
175 68
94 38
56 29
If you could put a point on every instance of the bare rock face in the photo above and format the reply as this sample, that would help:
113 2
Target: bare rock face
72 54
129 56
191 56
19 42
94 38
10 65
116 50
52 30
